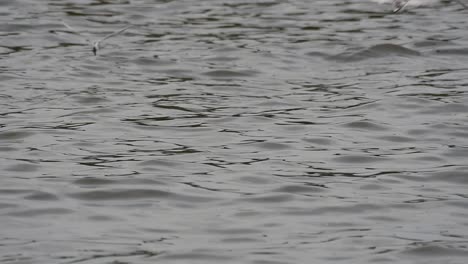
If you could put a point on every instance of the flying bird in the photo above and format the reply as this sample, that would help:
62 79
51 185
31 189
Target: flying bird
399 5
96 44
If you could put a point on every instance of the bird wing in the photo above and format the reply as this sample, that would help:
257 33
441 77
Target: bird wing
462 4
112 34
399 8
76 32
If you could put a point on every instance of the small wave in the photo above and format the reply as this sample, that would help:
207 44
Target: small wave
41 212
230 73
461 51
376 51
436 251
411 3
135 194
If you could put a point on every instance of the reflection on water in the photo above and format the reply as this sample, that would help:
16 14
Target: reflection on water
234 131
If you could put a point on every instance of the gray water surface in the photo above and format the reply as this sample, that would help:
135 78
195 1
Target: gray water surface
230 131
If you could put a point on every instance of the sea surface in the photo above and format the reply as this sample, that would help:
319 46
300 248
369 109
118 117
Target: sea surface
233 131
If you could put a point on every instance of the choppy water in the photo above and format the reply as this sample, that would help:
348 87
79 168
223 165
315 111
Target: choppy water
233 131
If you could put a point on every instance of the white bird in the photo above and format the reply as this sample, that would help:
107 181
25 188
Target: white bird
399 5
96 44
462 4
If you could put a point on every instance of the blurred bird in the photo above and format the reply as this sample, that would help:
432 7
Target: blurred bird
399 5
97 44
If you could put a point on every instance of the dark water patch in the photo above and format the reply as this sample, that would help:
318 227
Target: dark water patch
374 52
7 206
317 54
103 218
5 50
383 218
233 231
7 149
158 230
94 67
158 163
270 198
431 43
452 108
23 168
17 49
453 51
458 134
248 214
136 194
436 251
462 195
121 194
7 3
41 196
64 126
14 191
14 135
269 261
407 205
456 152
90 100
93 181
115 258
331 173
418 132
17 27
179 75
456 177
366 125
91 112
459 204
223 59
173 107
228 74
319 141
397 139
273 146
359 159
150 62
404 177
256 180
182 121
194 257
89 74
41 212
431 159
352 209
241 240
374 187
299 189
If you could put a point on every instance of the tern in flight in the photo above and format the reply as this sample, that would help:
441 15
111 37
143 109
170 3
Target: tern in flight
97 44
399 5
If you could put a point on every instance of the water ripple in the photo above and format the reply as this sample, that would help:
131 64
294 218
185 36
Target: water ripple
237 131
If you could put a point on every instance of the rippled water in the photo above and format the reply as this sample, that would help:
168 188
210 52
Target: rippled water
233 131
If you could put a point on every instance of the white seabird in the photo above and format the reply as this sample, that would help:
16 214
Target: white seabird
399 5
96 44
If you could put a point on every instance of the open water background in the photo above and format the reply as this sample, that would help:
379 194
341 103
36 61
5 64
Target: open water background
233 132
